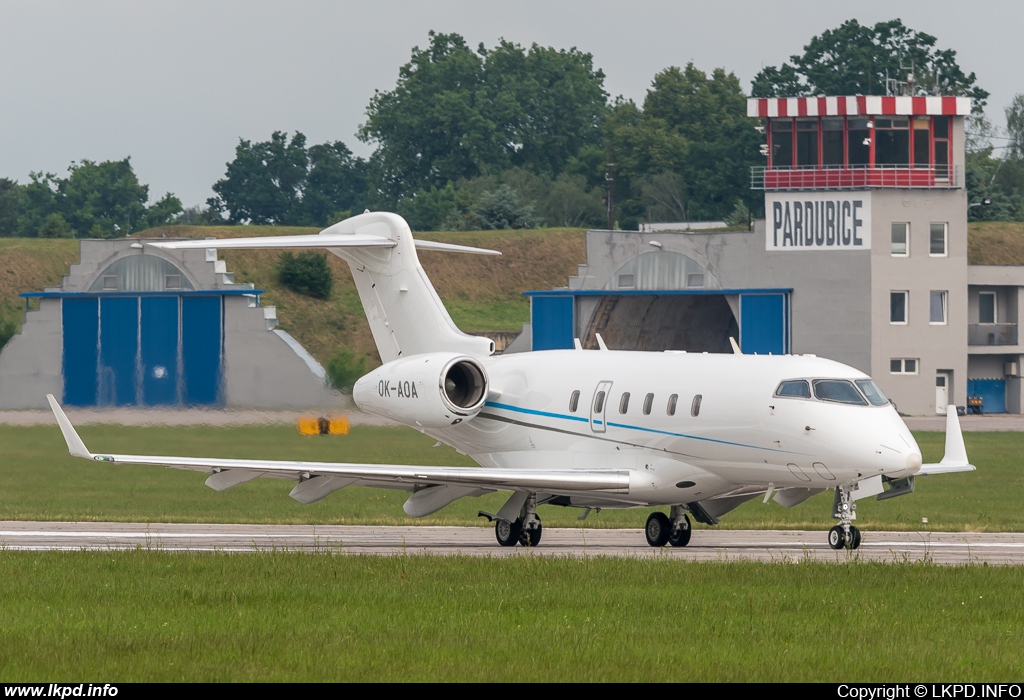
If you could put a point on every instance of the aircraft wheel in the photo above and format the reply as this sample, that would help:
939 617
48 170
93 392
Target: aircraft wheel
681 537
658 529
854 542
530 538
507 533
836 537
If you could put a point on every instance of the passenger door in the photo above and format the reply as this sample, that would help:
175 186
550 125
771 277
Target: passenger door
599 407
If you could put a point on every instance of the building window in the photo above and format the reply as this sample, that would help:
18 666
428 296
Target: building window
782 143
858 140
832 142
694 280
807 143
937 308
987 307
892 141
898 307
937 240
903 365
109 283
900 239
627 281
172 281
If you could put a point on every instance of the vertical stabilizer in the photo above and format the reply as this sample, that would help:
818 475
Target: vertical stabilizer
406 316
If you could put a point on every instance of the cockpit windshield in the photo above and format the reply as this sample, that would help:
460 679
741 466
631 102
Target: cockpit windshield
838 390
872 392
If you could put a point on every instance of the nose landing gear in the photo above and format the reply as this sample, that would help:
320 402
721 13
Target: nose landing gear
845 534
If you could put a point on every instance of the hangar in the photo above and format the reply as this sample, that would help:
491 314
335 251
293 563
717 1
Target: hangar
131 325
862 258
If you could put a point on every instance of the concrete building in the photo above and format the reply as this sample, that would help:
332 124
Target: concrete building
862 258
131 325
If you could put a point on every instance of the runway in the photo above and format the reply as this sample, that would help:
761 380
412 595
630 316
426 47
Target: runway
784 546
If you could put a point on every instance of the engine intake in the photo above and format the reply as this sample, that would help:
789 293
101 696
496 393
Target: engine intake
434 390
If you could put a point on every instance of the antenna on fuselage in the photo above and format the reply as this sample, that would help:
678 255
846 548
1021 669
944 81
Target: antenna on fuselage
577 344
600 342
735 346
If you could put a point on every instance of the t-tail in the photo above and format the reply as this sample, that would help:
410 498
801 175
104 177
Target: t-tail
405 314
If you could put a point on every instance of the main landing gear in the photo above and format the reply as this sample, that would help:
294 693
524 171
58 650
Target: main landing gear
845 534
673 529
525 530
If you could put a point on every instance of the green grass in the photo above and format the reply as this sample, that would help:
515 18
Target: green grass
152 616
40 481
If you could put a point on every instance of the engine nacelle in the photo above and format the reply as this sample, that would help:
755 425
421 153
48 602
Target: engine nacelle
433 390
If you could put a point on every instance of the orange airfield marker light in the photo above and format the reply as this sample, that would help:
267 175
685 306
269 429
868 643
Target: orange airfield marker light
312 425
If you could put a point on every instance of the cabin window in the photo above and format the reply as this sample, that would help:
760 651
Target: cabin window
672 401
648 404
872 392
838 391
695 406
795 388
624 403
599 402
574 401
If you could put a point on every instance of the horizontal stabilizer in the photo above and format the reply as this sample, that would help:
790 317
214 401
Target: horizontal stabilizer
955 459
317 240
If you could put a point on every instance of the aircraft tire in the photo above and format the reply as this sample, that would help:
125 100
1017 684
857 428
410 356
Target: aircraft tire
658 529
854 542
836 537
530 538
507 533
681 537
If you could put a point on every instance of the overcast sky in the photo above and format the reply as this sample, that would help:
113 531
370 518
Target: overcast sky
174 85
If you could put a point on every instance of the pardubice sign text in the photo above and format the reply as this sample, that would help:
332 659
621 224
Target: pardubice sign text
818 221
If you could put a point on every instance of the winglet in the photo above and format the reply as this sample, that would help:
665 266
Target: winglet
75 445
955 459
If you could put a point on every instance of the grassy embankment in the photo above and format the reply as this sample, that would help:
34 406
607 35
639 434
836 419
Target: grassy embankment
152 616
40 481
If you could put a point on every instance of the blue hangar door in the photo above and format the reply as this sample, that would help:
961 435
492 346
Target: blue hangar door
131 350
764 323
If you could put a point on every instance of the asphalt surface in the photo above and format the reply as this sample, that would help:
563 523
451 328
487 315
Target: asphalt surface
783 546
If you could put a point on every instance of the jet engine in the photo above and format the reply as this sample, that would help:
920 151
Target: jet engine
433 390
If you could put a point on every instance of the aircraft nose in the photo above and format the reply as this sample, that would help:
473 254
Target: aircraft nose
913 461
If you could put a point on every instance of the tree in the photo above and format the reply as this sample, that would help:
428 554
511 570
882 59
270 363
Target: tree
54 226
856 59
569 203
694 130
281 182
306 273
1015 128
457 114
11 201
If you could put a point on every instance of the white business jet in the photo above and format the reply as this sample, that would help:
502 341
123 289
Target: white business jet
699 433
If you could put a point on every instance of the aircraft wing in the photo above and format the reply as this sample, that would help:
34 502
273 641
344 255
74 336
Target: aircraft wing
317 479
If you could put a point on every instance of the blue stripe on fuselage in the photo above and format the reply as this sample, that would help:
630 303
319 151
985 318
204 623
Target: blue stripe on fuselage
562 416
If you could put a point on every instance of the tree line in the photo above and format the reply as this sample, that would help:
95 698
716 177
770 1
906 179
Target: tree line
514 137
